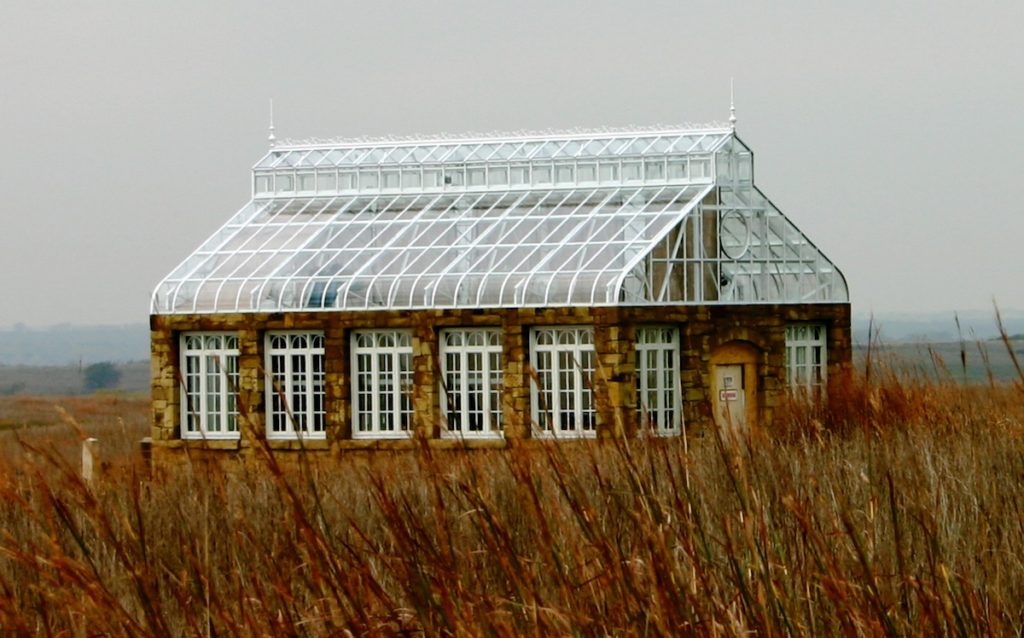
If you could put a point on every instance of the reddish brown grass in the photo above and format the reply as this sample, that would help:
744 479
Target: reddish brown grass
894 508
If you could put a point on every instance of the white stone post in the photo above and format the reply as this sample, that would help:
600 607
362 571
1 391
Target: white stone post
90 458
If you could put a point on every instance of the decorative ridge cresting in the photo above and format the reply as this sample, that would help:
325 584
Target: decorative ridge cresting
714 126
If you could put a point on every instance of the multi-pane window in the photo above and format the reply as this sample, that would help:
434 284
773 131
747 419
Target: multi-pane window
471 389
382 384
562 394
657 381
295 385
209 397
806 359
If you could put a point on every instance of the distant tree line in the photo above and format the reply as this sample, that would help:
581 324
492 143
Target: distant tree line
101 376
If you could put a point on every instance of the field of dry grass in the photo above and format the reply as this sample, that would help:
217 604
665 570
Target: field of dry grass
899 509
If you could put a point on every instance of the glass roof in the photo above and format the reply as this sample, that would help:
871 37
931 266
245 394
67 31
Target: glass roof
555 247
669 226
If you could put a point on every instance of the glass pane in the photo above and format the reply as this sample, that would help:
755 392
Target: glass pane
326 180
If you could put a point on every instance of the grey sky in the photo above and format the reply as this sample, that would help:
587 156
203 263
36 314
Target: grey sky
892 135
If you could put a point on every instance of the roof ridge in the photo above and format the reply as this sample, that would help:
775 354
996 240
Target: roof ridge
522 134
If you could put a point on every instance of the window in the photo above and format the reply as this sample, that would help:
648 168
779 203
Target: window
632 171
369 178
562 395
432 178
264 183
209 398
654 169
392 178
657 384
519 174
699 169
285 183
454 175
382 384
295 385
806 360
410 178
746 167
609 171
587 173
307 182
326 181
565 173
677 169
471 388
497 176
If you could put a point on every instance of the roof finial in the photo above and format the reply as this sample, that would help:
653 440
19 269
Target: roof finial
271 138
732 107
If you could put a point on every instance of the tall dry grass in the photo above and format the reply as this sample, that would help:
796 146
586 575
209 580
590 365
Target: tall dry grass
897 507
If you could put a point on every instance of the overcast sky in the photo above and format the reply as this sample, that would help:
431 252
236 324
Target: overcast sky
892 134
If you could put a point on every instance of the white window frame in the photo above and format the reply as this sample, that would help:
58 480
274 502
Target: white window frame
563 358
295 385
209 385
382 361
471 378
806 357
659 398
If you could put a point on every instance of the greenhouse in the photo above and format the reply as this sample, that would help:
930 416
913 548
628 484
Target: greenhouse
576 284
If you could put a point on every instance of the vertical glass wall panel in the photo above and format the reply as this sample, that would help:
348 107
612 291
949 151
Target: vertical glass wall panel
609 171
699 169
565 174
326 181
519 174
654 169
497 176
632 170
432 178
369 179
454 175
477 176
264 184
411 178
676 169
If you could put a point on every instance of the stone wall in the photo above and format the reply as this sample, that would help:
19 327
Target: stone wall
702 329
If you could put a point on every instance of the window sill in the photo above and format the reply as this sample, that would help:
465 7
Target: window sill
211 443
298 444
472 436
563 436
382 436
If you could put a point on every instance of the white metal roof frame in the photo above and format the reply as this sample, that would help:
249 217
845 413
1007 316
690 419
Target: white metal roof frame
568 238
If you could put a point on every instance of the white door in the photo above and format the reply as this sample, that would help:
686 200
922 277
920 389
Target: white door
730 404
